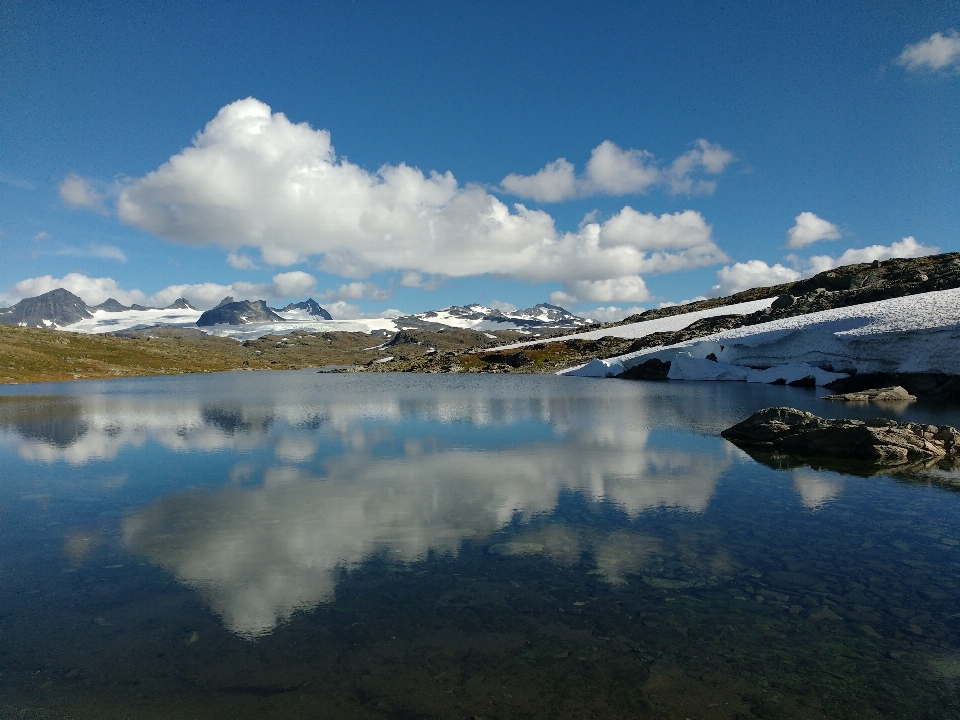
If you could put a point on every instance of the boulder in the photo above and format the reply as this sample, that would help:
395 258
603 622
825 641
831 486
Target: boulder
653 369
887 394
878 442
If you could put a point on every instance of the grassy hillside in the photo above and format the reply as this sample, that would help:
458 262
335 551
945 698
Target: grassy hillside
39 355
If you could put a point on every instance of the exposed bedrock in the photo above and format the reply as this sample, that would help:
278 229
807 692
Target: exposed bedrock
880 443
919 384
895 394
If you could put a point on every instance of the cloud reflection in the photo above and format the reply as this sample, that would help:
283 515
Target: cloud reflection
816 489
260 554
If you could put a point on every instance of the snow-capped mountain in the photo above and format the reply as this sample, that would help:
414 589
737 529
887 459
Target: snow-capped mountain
309 309
230 312
62 309
480 317
57 307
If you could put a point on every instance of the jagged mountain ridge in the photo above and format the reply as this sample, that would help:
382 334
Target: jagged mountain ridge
480 317
58 307
61 308
238 313
309 309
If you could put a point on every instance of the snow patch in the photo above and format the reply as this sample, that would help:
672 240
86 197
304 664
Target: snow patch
915 334
633 331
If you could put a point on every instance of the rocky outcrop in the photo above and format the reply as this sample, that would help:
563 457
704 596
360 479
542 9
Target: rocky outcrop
309 307
887 394
840 287
878 442
111 305
920 384
653 369
179 304
238 313
57 307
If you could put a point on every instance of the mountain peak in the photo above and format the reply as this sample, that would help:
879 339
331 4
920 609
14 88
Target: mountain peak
309 309
57 307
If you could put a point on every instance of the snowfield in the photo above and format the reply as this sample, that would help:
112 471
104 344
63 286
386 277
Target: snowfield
637 330
106 322
913 334
254 330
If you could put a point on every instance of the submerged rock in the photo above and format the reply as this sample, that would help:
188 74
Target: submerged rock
887 394
877 442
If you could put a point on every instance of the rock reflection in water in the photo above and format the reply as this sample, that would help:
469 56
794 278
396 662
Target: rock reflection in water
258 555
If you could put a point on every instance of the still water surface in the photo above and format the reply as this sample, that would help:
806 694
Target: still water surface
293 544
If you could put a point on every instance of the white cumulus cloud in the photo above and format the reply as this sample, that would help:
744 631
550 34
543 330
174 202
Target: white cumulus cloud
357 291
937 52
342 310
103 252
502 306
239 261
611 313
555 182
615 171
708 157
751 274
906 248
79 192
254 179
94 291
630 288
808 229
612 170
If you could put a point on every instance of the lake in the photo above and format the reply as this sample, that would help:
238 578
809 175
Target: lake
295 544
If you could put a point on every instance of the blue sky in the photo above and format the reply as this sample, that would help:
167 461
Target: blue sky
404 156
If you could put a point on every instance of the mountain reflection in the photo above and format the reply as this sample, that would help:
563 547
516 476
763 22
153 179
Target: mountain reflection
260 554
95 428
324 474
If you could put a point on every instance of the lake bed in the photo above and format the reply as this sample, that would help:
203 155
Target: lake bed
287 544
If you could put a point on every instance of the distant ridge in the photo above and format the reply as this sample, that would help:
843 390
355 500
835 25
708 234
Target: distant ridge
310 307
540 317
179 304
111 305
229 312
57 307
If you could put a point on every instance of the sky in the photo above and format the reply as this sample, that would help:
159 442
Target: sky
396 157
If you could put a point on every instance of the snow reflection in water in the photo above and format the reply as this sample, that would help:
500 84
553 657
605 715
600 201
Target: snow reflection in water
417 537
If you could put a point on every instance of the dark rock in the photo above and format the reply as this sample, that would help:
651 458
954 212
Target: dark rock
652 369
805 382
238 313
514 360
179 304
840 287
712 357
784 301
141 307
59 307
879 442
887 394
311 306
939 385
110 305
542 318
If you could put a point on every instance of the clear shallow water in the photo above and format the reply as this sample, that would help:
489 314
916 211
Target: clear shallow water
395 546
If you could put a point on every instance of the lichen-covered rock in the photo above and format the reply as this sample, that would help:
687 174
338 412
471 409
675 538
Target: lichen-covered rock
879 441
887 394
